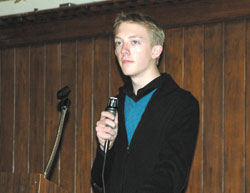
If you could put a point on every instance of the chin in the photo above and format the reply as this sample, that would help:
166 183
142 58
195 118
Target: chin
127 73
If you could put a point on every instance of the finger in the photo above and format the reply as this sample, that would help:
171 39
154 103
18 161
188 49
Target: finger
102 137
101 123
107 115
104 131
116 119
110 123
105 123
107 130
102 116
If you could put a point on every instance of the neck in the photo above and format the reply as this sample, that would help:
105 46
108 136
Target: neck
140 82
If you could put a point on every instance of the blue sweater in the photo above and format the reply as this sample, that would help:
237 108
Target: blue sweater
133 112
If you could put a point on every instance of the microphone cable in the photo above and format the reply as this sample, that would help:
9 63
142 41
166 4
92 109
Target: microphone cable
112 108
103 172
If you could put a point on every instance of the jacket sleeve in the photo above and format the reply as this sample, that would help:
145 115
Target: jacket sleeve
171 173
96 170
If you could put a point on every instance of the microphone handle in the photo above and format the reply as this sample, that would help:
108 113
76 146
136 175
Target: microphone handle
106 144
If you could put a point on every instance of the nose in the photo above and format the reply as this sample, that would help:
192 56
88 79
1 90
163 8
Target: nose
125 49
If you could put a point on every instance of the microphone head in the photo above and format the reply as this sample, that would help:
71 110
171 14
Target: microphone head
63 92
112 105
113 102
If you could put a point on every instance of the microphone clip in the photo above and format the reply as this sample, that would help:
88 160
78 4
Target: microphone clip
62 94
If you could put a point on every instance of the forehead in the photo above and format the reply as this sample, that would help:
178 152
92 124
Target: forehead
131 29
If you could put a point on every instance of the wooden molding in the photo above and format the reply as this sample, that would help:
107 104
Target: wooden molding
85 10
96 19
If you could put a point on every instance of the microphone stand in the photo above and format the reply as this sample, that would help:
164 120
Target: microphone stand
63 107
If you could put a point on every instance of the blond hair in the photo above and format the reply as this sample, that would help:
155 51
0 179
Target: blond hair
156 33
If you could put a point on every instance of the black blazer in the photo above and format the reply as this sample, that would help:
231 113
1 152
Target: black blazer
161 151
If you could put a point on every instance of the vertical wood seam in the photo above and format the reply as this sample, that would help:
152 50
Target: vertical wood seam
14 113
76 115
202 106
245 102
92 98
44 108
92 101
29 102
223 107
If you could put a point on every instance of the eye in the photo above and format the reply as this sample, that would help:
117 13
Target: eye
118 43
135 42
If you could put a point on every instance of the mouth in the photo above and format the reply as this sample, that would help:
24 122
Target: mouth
127 61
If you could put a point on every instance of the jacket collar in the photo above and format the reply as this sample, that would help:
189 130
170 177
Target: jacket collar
164 81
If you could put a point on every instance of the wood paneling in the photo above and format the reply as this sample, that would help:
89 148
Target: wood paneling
21 182
213 108
247 115
211 60
21 136
27 183
53 83
7 108
174 60
102 65
68 73
234 106
193 73
37 99
85 61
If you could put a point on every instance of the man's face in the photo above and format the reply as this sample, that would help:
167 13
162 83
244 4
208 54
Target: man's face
133 50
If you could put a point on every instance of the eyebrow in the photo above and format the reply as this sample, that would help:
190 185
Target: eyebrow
133 36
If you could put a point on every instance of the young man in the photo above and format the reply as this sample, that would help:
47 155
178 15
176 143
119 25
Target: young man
153 137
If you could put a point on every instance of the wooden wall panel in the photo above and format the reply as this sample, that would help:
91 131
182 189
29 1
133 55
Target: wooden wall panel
22 108
7 108
53 83
213 109
101 76
234 64
175 54
247 115
85 61
37 97
193 72
68 77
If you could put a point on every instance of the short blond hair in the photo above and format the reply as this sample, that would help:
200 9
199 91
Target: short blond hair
156 33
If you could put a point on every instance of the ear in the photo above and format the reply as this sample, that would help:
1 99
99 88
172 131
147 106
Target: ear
156 51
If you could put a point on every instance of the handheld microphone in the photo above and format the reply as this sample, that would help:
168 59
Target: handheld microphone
112 108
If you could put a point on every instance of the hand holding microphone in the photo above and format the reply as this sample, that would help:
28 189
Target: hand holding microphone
106 127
